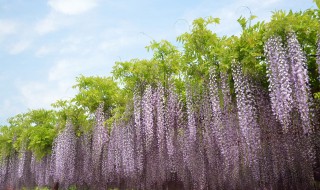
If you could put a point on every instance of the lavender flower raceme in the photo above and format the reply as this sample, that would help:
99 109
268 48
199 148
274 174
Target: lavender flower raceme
65 151
279 80
247 119
99 139
318 56
300 80
147 113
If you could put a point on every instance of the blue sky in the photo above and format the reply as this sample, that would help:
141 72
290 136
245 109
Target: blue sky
46 44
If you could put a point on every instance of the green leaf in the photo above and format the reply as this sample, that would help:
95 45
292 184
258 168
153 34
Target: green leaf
252 17
243 22
212 20
317 3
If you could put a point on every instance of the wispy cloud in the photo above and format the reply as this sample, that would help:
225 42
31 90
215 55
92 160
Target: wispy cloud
9 107
230 12
7 27
117 38
72 7
65 69
35 94
59 15
19 47
106 42
52 22
61 77
43 51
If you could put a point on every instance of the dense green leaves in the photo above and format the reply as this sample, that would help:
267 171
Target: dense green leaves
6 141
200 48
30 131
96 90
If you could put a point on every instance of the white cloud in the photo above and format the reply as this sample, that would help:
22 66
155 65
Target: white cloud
33 94
117 44
36 95
43 50
52 22
72 7
59 15
64 69
229 13
124 35
8 106
19 47
112 40
58 85
7 27
78 44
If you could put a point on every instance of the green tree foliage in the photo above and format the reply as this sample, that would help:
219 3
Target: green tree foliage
32 131
93 91
167 60
201 46
202 50
135 73
68 110
40 133
6 140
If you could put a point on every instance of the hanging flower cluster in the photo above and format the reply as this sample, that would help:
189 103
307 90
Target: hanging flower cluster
288 80
300 80
64 153
279 80
318 56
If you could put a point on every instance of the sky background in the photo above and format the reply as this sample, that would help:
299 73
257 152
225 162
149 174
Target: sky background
46 44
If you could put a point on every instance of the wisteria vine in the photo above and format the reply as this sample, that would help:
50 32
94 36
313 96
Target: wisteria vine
212 139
